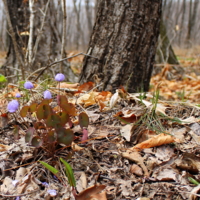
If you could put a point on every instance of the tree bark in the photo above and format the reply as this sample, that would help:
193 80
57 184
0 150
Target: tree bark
124 40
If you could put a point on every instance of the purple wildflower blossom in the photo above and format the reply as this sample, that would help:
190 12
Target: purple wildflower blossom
18 95
60 77
13 106
47 95
28 85
53 193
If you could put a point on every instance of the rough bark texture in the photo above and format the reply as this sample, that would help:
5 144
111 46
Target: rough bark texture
124 41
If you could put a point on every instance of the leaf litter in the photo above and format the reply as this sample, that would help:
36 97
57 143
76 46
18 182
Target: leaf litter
135 146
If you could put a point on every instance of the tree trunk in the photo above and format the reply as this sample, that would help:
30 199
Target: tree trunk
124 40
165 52
45 46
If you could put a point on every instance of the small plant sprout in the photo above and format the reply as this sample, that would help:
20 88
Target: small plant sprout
59 77
47 95
28 85
13 106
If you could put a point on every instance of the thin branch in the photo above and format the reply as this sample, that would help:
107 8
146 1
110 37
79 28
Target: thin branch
12 33
40 33
30 41
19 195
56 62
63 34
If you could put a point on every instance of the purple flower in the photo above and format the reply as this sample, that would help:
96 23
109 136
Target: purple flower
47 95
17 198
13 106
45 184
15 182
53 193
60 77
18 95
28 85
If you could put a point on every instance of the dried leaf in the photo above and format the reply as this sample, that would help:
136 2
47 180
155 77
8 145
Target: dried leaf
95 192
126 132
155 141
114 99
135 169
136 157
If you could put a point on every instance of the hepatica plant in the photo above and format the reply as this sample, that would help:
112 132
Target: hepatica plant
50 127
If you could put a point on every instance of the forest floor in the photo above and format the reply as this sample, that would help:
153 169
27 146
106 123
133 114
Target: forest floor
140 146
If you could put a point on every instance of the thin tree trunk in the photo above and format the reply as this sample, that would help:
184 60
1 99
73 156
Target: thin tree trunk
165 53
187 41
64 35
124 40
88 15
182 22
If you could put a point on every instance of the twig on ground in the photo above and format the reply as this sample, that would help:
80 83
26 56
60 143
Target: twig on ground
19 195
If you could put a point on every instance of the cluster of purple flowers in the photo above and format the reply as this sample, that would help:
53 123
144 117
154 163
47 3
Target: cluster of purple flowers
14 104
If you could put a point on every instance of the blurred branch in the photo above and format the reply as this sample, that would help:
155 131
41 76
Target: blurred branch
63 33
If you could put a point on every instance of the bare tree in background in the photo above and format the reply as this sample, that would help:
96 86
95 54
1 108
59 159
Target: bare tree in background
79 32
182 21
124 39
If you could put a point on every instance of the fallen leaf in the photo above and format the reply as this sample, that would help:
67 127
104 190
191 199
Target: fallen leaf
86 86
155 141
135 169
114 99
95 192
136 157
193 193
88 99
126 132
68 85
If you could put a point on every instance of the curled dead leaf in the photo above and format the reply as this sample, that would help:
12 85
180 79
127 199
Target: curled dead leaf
95 192
68 85
157 140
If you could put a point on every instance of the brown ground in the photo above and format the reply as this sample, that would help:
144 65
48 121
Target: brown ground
164 165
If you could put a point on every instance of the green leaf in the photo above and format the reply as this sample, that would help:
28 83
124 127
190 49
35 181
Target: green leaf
53 121
51 137
69 173
43 111
16 132
29 134
39 125
83 120
50 168
36 141
193 181
64 136
64 118
2 78
33 107
24 111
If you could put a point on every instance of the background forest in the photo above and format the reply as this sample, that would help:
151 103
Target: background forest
181 18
